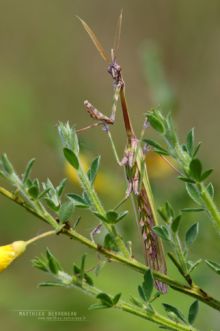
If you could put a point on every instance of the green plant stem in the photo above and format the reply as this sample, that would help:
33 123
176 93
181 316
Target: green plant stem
179 252
152 316
209 203
193 291
40 236
184 161
93 197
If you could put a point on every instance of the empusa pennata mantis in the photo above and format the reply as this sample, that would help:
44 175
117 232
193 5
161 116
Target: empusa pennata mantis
133 160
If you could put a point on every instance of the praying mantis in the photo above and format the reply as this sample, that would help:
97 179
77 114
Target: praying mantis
133 159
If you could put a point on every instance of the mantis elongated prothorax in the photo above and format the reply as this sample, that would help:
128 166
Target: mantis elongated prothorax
133 160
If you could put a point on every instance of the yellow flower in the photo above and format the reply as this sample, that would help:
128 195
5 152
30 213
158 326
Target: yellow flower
10 252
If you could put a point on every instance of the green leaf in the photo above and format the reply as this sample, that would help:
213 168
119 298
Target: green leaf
135 302
176 223
109 243
40 263
101 216
192 234
122 215
111 216
94 169
7 166
51 204
82 267
66 211
193 311
78 200
33 191
211 190
186 179
141 293
105 299
148 284
214 266
53 263
88 280
155 122
28 170
196 149
60 187
169 210
157 148
193 265
162 232
43 193
51 283
116 298
190 141
71 157
193 193
174 310
163 213
206 174
195 167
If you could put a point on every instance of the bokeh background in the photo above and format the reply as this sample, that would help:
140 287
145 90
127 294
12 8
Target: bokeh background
48 68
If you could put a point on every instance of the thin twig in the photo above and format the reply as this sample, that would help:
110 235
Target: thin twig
193 291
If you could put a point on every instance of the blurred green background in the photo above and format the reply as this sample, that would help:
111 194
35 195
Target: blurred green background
48 68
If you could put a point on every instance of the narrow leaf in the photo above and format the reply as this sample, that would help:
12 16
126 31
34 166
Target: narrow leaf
148 284
197 149
193 193
66 211
206 174
109 243
176 223
94 169
71 157
60 187
192 234
141 293
214 266
193 265
78 200
53 262
190 141
28 169
174 310
33 191
156 123
193 311
105 299
116 298
162 232
186 179
157 148
51 283
7 166
211 190
196 169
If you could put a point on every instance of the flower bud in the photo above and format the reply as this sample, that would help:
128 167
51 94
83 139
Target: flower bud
10 252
